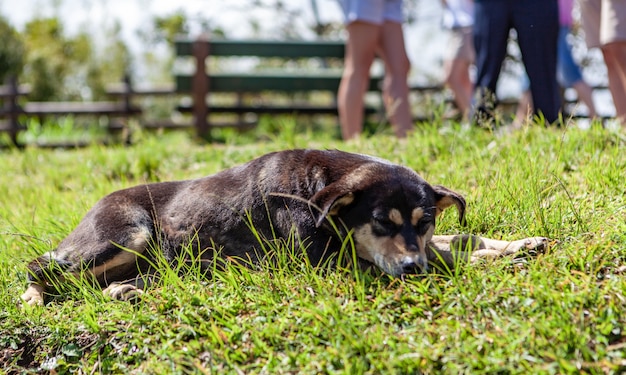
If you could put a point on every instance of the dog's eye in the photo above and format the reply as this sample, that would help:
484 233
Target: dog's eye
383 226
423 225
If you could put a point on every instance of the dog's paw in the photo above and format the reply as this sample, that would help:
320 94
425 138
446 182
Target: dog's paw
528 246
33 296
123 292
519 248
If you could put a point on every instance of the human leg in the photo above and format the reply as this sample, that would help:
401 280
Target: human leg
585 95
569 73
360 51
613 46
491 31
456 67
615 60
457 78
397 66
524 110
537 29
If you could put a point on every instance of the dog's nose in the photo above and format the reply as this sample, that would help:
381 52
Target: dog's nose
412 266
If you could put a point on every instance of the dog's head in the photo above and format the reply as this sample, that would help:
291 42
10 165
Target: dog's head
391 211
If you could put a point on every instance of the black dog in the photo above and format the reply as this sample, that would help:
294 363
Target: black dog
315 197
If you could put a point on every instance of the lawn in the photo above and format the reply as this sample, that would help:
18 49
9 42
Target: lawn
562 311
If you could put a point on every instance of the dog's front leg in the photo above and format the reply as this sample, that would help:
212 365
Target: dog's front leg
496 248
449 251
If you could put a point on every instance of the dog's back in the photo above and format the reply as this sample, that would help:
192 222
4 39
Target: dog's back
234 213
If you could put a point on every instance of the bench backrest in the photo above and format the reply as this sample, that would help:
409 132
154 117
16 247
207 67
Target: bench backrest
267 79
266 48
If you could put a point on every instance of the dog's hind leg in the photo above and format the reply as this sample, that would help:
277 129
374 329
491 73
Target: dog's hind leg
57 267
42 272
34 294
105 248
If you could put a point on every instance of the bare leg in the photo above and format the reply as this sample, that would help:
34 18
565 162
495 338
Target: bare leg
615 59
458 79
524 110
585 92
360 51
396 88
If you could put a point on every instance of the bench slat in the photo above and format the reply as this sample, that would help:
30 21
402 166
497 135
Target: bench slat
267 48
274 109
77 108
235 82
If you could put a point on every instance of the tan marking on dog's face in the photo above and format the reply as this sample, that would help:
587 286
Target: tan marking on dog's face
395 216
390 253
416 215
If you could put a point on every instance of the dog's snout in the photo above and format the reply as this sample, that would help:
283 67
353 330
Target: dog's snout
412 266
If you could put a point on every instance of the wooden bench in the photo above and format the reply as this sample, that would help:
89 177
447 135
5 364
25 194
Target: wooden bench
284 79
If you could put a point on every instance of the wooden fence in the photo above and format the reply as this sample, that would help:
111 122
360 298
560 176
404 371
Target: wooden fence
16 108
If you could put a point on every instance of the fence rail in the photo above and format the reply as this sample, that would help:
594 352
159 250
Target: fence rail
16 108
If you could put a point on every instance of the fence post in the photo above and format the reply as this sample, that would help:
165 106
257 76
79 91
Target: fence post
14 110
127 96
200 87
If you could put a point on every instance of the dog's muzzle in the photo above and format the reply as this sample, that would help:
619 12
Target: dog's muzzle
413 265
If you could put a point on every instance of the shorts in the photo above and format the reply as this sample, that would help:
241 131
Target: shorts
461 45
372 11
604 21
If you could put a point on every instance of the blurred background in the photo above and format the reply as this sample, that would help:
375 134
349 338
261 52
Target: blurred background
71 49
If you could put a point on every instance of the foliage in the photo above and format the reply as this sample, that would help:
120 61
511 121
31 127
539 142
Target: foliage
108 64
11 51
62 67
559 312
51 57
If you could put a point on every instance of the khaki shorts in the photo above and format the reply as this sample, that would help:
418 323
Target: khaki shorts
461 45
604 21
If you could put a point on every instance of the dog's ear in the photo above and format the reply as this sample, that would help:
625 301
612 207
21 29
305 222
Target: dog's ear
328 202
445 198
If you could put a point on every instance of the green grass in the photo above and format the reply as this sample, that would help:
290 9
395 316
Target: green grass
561 312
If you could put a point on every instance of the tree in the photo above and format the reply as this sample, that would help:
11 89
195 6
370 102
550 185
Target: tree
12 51
52 57
62 67
108 64
160 36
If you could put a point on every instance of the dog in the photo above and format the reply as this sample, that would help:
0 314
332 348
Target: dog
312 197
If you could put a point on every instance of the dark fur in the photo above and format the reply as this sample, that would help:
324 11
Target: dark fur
279 194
